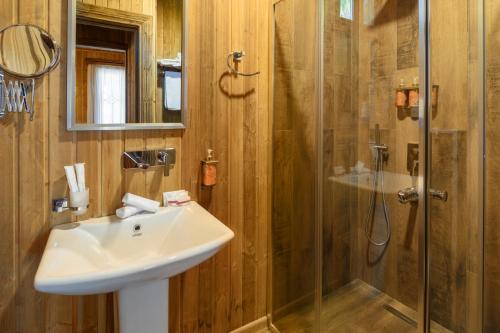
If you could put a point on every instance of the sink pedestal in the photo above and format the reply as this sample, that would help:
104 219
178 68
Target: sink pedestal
143 307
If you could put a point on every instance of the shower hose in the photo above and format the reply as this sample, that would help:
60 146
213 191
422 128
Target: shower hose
379 168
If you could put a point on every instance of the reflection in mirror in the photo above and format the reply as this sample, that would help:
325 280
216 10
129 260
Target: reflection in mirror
36 53
106 73
120 81
169 15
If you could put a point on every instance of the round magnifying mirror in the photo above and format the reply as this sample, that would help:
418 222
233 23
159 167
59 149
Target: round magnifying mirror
27 51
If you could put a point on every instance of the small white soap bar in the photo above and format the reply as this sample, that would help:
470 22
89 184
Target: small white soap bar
148 205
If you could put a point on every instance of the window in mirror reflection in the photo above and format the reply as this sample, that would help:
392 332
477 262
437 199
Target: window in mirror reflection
107 94
346 9
106 74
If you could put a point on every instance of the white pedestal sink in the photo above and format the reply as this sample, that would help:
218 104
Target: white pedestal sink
135 257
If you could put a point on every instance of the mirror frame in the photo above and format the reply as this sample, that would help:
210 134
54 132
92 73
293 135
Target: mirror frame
53 64
71 77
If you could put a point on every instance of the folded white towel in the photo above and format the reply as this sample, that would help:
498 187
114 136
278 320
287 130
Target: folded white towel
127 211
140 203
176 198
174 62
172 84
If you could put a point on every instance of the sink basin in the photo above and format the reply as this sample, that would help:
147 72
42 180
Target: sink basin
134 256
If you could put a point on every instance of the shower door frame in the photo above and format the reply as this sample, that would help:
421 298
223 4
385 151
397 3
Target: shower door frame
423 320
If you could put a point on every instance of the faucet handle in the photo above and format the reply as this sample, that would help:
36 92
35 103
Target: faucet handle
167 157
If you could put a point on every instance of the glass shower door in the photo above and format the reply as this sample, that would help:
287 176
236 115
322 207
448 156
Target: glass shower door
295 257
455 170
371 133
378 142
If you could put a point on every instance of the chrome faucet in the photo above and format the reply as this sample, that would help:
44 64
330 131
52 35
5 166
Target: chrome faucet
150 158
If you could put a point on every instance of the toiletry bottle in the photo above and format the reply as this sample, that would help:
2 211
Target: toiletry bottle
401 97
209 169
414 94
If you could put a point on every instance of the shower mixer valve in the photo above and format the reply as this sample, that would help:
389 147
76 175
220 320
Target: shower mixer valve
408 195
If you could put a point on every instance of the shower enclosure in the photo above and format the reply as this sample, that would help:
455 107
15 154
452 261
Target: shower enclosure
386 137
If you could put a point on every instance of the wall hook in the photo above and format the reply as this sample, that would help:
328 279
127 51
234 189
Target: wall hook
237 56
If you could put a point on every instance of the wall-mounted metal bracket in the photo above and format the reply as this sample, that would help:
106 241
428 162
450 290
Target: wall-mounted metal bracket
17 96
150 158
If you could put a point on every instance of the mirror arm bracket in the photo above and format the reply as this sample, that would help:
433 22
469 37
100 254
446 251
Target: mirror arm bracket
17 96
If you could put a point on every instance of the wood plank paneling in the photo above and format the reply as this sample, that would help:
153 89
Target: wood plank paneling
224 293
8 204
33 189
492 176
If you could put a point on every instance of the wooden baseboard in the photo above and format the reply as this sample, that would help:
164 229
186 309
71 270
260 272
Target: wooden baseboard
256 326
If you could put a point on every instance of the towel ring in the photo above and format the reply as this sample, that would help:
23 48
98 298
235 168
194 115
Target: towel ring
237 56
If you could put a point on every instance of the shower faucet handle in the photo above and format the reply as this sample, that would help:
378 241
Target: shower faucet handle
408 195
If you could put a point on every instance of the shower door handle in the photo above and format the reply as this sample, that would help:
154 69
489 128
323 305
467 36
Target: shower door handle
438 195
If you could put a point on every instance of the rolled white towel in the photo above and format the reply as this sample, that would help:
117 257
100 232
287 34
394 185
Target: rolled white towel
127 211
148 205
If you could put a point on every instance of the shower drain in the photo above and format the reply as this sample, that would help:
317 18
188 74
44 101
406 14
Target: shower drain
400 315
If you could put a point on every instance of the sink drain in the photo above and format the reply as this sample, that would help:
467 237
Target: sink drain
136 230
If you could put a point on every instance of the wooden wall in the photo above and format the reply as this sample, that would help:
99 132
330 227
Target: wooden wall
168 28
226 113
492 177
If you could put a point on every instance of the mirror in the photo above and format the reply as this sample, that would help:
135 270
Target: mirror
126 70
36 52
